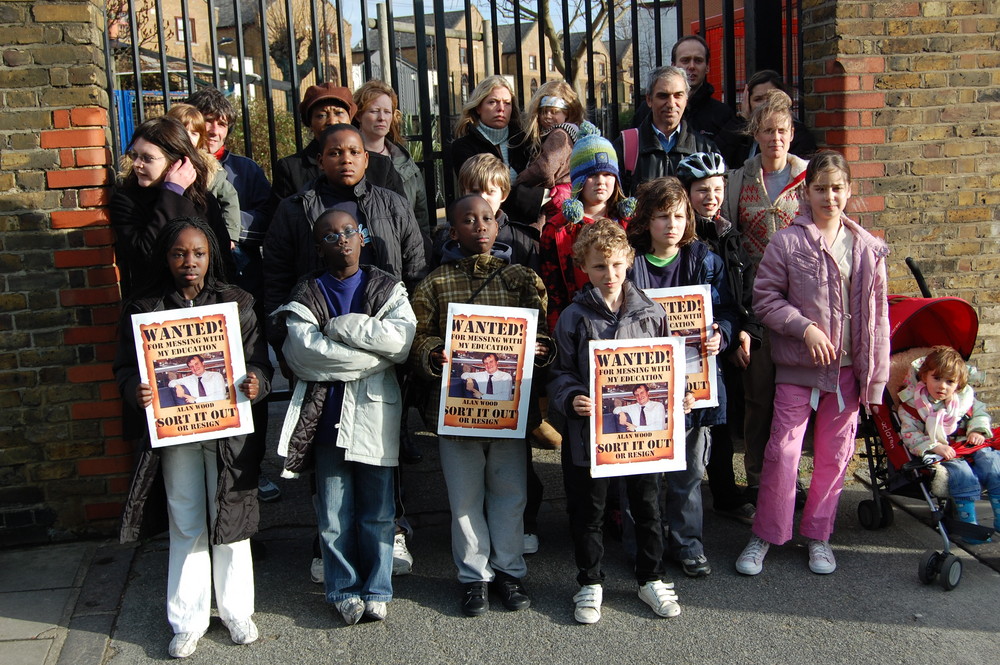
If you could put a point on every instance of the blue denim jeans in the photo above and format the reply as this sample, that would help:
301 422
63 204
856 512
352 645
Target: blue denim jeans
680 498
967 482
355 514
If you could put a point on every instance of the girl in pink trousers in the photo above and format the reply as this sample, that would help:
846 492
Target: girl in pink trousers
821 290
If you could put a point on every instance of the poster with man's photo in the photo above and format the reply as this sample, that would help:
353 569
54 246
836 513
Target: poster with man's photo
689 309
637 425
193 361
486 378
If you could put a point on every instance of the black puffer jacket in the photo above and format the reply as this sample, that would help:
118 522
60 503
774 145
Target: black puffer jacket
524 202
296 171
138 214
653 162
705 114
238 457
290 251
723 239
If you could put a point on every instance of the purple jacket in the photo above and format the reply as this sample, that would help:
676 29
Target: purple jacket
798 283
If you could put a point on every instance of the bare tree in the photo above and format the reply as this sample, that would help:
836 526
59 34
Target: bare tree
119 17
542 13
301 47
284 53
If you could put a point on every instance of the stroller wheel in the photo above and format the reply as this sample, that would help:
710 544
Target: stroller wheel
928 568
866 515
887 516
951 572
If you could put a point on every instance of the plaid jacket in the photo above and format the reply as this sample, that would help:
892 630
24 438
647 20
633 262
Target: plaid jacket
457 281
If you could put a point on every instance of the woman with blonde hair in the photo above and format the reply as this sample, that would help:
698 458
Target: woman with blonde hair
218 184
380 121
762 197
551 125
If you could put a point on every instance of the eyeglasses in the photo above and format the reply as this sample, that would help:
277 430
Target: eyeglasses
346 234
142 159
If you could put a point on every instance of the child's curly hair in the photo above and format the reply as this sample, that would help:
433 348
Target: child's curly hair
947 363
652 197
604 235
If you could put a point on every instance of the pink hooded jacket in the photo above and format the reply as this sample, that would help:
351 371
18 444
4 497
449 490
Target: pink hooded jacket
798 284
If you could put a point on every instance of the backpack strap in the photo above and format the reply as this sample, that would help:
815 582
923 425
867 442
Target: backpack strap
630 141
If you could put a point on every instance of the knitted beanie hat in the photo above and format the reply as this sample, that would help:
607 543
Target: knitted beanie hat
592 153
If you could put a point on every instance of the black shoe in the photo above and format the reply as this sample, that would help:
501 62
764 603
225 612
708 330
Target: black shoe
475 600
696 567
801 494
409 452
513 595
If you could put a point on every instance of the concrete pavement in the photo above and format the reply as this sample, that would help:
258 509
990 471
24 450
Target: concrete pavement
90 603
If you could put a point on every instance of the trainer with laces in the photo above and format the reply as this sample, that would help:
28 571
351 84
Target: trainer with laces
614 308
402 560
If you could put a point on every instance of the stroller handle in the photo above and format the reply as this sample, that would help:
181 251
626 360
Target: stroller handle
919 276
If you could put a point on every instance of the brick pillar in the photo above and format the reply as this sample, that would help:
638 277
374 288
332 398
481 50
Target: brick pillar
909 92
63 465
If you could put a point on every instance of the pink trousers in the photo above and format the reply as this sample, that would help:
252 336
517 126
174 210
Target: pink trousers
834 442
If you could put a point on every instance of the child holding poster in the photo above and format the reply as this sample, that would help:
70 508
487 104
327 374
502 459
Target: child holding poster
609 307
345 329
211 486
662 233
821 291
485 477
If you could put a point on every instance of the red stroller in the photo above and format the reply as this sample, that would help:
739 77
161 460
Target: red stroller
916 323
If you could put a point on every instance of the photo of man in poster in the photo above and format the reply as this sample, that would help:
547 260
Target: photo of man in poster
201 385
492 383
645 415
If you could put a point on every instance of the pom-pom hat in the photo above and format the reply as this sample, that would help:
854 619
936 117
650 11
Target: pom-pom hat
592 153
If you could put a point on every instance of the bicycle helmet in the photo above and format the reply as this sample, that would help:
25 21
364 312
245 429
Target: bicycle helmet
699 166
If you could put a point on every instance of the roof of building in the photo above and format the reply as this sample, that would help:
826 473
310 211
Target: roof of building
507 35
227 11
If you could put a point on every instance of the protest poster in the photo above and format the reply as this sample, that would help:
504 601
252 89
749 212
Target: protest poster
689 310
637 424
489 364
193 361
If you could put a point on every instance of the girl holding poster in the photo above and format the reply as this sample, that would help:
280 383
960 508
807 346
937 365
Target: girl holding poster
669 255
211 486
821 291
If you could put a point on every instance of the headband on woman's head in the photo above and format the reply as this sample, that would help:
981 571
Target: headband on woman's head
553 102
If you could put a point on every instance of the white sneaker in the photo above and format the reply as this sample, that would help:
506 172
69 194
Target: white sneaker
660 596
375 610
316 570
588 603
751 561
530 543
351 609
402 560
243 631
184 644
821 559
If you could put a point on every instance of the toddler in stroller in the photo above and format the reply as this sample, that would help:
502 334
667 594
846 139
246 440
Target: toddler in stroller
942 421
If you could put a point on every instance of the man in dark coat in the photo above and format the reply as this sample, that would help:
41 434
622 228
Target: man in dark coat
323 106
663 138
704 113
392 238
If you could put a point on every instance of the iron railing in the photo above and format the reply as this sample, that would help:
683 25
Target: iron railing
148 73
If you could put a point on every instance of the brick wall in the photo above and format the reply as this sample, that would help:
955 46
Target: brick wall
62 461
909 92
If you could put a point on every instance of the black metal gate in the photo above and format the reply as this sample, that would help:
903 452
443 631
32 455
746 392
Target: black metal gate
264 52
